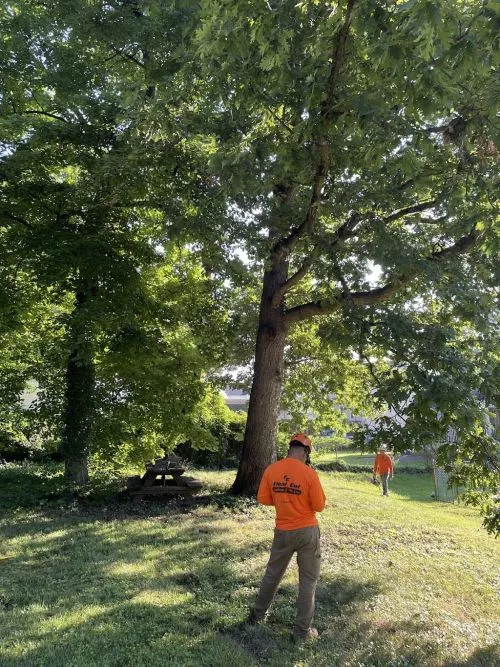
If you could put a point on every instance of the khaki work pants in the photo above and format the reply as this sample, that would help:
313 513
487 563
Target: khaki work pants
306 544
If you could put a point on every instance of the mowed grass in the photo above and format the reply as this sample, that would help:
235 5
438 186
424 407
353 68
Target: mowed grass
356 458
405 581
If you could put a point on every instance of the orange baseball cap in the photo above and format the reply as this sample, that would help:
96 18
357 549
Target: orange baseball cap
303 439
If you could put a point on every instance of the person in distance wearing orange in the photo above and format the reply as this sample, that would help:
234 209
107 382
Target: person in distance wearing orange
383 466
296 493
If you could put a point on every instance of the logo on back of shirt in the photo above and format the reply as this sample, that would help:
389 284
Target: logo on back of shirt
287 487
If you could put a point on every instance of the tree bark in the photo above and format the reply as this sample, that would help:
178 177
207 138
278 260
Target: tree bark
79 394
259 446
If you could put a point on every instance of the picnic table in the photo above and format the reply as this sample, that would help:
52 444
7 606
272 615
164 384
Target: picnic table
164 477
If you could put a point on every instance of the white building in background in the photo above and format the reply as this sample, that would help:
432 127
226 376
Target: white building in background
29 394
236 399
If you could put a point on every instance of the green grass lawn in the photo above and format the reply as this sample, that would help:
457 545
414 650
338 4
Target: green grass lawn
405 581
355 458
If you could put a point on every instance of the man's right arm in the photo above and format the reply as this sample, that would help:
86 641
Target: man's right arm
264 495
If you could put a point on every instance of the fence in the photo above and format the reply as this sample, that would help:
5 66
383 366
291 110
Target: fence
442 489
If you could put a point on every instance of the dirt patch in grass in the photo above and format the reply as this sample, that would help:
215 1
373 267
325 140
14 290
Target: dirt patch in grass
254 640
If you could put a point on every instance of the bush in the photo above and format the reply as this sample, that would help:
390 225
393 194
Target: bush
327 444
228 428
11 449
23 438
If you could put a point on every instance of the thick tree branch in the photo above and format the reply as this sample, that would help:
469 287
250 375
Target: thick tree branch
16 218
348 228
463 245
435 129
381 294
44 113
293 280
345 231
337 62
415 208
285 246
429 221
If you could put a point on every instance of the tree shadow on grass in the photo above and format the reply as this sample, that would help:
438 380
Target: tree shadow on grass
128 633
44 488
83 594
166 593
347 634
33 485
488 656
352 634
160 588
28 485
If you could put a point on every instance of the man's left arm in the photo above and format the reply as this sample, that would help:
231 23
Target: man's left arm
317 495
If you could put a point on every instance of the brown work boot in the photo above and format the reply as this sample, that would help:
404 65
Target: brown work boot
311 634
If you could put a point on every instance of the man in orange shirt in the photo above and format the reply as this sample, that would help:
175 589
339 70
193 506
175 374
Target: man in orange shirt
383 466
296 493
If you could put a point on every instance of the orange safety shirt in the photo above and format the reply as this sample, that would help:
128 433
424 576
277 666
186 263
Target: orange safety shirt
295 491
383 464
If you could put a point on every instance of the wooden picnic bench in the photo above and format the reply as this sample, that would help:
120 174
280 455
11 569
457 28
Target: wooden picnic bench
164 477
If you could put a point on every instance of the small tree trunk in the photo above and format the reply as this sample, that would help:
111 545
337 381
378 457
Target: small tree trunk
79 404
259 445
76 470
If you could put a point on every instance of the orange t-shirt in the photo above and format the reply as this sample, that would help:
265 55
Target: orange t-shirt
295 491
383 464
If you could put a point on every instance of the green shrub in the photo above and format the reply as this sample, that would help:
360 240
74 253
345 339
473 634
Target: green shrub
332 443
228 429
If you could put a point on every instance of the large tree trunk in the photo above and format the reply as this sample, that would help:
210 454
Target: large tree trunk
79 394
259 446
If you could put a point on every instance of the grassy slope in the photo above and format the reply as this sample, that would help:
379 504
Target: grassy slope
405 581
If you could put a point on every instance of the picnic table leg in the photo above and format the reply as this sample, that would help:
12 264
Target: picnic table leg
148 479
